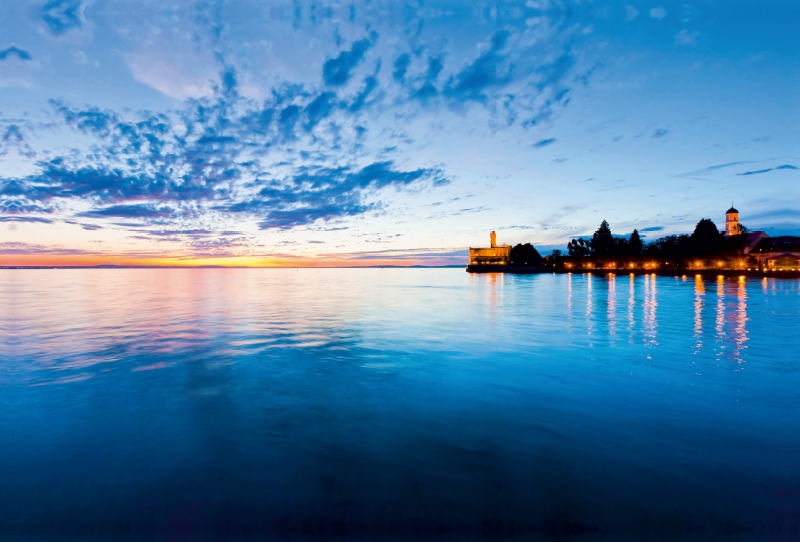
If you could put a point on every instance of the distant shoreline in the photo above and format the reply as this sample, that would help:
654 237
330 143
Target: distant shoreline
70 267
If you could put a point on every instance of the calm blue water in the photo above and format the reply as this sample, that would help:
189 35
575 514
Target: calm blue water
397 404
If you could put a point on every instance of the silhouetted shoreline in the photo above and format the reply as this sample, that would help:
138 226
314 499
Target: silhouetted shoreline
20 267
736 251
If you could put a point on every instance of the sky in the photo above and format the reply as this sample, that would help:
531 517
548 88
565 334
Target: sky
358 133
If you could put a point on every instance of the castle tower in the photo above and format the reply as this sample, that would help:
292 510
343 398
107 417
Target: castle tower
731 222
493 239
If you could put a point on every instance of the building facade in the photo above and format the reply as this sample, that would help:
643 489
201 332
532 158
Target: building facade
494 255
781 252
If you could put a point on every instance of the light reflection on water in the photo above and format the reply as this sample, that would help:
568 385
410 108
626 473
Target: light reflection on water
396 402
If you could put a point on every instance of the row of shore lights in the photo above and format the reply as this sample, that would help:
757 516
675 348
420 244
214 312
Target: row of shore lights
653 265
695 265
648 265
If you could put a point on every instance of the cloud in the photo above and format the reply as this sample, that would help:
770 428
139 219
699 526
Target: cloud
12 52
61 16
486 71
79 57
129 211
401 67
196 232
336 71
323 194
712 169
652 228
287 119
370 84
631 13
13 138
278 157
658 13
759 171
684 37
319 109
25 219
173 73
544 142
658 134
89 227
102 185
30 248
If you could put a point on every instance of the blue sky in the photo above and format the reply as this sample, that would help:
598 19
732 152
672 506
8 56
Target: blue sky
359 133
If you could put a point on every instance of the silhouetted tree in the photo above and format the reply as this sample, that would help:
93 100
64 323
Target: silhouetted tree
621 247
670 248
579 247
556 253
736 243
635 244
525 255
706 238
740 229
602 242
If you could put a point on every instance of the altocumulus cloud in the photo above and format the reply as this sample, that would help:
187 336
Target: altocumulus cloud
336 71
129 211
298 154
12 52
323 194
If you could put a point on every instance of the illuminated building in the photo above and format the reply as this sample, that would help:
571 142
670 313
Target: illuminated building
778 252
494 255
771 252
731 222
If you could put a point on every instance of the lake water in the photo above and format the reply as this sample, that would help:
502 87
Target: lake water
397 404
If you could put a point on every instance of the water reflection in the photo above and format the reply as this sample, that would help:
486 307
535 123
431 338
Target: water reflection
740 333
589 299
699 295
719 322
570 279
611 315
650 303
631 305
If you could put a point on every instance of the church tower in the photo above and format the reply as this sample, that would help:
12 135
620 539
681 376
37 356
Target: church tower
493 239
731 222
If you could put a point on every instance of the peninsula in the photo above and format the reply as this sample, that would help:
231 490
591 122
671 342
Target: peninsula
734 251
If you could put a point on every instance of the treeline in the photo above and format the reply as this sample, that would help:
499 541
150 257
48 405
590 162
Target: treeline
705 241
525 255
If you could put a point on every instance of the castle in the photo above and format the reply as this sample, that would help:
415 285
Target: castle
494 255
